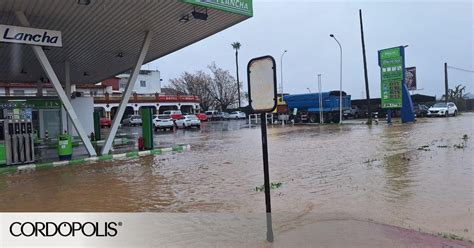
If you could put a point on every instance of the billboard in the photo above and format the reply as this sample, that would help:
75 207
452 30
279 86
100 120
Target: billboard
392 70
410 78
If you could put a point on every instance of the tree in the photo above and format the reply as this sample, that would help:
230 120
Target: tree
222 88
236 45
457 95
215 90
194 84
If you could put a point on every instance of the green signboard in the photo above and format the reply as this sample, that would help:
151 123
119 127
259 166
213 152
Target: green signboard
391 62
242 7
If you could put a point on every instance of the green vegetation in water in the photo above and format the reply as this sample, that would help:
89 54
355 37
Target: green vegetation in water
370 160
424 148
458 146
450 236
273 185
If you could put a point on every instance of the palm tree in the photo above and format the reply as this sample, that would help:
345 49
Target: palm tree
236 45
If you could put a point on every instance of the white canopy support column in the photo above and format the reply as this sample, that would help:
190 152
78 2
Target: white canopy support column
66 123
41 56
126 95
67 72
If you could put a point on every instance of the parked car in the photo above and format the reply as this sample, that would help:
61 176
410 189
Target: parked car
174 114
201 116
420 110
133 120
213 115
443 109
353 112
105 122
188 121
237 115
224 116
163 122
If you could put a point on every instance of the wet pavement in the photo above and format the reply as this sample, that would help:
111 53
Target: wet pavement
416 176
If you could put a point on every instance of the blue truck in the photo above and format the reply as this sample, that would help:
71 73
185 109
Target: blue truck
305 107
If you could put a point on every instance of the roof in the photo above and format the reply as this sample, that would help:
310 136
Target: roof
103 39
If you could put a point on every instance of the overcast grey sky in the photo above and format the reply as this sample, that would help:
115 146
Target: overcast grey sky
436 32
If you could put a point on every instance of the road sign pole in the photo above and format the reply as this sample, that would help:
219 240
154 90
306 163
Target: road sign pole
262 85
266 176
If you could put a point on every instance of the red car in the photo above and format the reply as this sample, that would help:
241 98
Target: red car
174 114
105 122
202 116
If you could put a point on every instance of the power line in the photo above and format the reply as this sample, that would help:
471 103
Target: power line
459 69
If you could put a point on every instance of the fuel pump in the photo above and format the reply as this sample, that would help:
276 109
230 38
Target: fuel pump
17 141
30 137
3 159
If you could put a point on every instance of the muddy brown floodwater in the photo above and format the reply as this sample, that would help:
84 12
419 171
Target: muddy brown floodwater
417 176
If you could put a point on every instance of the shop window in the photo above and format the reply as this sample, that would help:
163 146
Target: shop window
51 121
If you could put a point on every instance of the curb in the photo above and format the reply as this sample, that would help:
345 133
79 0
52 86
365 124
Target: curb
132 154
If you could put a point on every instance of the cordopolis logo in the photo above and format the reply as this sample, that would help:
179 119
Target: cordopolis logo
64 229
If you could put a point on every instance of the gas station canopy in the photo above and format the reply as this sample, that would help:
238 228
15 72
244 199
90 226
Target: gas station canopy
103 38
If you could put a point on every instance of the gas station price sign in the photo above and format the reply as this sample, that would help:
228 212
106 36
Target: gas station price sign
392 67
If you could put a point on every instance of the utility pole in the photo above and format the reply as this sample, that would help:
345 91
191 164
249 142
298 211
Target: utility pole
446 83
367 94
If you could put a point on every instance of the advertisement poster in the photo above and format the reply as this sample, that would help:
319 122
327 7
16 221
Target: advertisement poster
410 78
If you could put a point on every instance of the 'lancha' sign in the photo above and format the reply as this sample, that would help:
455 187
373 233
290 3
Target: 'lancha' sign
30 36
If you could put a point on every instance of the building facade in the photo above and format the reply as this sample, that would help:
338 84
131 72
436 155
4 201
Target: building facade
148 82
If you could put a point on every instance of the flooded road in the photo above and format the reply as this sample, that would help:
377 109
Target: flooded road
418 176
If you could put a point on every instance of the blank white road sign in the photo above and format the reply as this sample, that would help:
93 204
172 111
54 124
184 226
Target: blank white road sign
261 75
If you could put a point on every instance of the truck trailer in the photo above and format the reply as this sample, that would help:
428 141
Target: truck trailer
305 107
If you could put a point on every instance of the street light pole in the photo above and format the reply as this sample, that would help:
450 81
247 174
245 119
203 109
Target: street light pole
340 79
281 72
320 87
